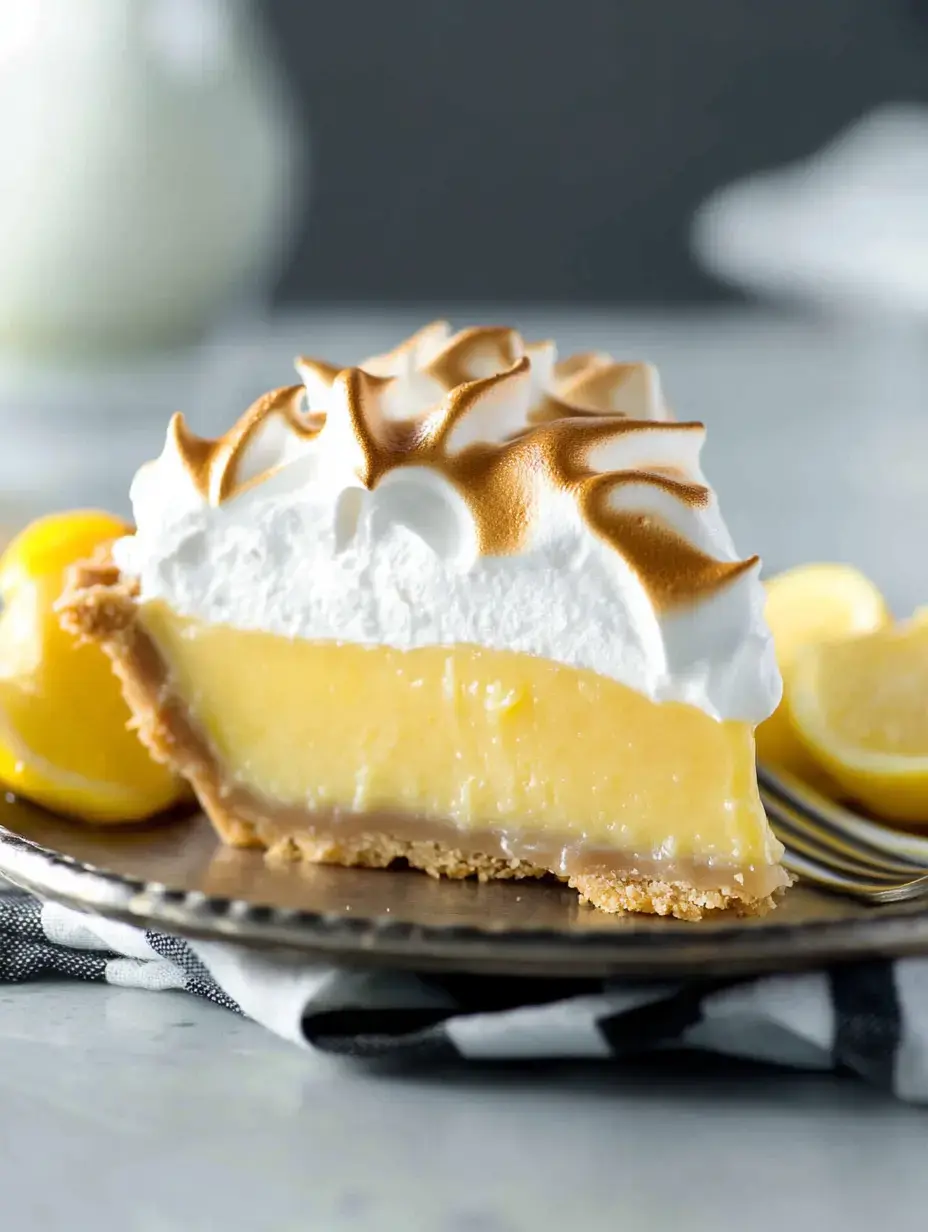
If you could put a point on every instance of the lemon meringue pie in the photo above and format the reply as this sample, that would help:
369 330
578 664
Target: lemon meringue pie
463 606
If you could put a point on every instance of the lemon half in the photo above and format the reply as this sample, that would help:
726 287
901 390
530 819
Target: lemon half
860 708
65 740
807 606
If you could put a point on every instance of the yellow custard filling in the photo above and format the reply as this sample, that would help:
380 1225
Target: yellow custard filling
483 739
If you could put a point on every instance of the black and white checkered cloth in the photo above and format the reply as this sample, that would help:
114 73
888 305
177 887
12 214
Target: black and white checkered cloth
869 1019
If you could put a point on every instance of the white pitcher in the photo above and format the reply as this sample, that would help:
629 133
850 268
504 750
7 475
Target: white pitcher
147 160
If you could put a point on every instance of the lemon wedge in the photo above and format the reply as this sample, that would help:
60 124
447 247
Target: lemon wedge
807 606
860 707
64 735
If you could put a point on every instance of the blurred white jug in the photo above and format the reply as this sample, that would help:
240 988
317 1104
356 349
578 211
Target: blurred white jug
147 168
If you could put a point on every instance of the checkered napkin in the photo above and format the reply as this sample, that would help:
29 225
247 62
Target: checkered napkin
870 1019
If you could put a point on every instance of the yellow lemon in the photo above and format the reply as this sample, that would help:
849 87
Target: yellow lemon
64 735
806 606
860 706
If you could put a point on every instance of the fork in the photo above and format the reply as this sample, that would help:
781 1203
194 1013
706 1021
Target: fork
840 850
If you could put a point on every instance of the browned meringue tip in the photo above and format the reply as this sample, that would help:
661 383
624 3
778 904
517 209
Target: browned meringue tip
213 464
324 373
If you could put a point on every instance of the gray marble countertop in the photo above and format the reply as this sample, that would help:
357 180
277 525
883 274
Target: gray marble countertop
153 1112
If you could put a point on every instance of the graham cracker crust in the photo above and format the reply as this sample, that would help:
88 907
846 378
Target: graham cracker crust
100 605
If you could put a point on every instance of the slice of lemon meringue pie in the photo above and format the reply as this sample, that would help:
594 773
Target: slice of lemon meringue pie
462 606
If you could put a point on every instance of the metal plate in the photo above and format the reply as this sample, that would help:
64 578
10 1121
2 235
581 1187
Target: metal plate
176 877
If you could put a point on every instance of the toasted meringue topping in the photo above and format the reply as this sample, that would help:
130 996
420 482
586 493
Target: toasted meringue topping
501 421
488 449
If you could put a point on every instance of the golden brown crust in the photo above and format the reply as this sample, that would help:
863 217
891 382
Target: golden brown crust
608 893
651 896
376 850
100 605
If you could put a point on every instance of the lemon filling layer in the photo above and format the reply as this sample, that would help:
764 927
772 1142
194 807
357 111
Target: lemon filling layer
483 741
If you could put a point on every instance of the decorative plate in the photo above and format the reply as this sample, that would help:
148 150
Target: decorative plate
175 876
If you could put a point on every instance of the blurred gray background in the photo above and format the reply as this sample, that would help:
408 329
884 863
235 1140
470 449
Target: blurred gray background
554 150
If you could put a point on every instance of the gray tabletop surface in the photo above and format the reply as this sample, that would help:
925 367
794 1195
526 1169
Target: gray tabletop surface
147 1112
